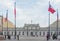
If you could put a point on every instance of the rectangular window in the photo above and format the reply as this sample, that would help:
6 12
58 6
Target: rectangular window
12 33
40 33
51 33
4 33
43 33
23 33
19 33
8 33
35 33
48 32
59 33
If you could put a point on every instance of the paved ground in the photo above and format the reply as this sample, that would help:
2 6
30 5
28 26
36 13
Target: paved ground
30 39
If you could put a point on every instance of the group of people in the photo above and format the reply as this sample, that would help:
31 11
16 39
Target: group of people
47 36
9 37
54 36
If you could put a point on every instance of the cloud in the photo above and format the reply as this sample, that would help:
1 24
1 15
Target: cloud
7 3
27 10
34 13
56 1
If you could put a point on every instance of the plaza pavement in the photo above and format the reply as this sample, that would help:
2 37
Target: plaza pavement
30 39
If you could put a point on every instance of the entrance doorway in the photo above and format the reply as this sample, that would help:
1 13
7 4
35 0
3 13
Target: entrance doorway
31 34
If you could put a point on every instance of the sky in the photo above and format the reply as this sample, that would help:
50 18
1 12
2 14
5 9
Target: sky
30 10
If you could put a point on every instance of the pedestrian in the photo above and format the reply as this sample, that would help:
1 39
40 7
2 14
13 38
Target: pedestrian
54 36
14 36
17 37
5 36
48 36
9 37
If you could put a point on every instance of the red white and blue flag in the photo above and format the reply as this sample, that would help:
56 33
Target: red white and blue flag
51 9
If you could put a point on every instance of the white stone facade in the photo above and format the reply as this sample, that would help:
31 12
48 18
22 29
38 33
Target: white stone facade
30 30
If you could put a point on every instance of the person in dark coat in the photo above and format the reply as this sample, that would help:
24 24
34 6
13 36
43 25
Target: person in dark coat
8 36
54 36
18 37
48 36
5 36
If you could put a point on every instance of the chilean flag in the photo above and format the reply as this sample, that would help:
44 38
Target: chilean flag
50 9
15 9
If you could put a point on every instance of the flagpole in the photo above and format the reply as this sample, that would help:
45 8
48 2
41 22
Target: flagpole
57 22
49 19
52 11
2 24
7 21
49 23
15 17
15 27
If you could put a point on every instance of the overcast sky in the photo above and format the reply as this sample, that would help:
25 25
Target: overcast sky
27 10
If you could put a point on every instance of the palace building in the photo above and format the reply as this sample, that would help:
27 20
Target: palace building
30 29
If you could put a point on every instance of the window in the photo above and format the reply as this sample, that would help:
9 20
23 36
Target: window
48 32
12 33
19 33
59 33
35 33
29 27
23 33
33 27
31 34
51 33
4 33
25 27
27 33
7 33
43 33
40 33
37 27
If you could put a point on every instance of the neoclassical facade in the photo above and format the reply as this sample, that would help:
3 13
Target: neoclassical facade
30 30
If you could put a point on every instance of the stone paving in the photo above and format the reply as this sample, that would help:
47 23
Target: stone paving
30 39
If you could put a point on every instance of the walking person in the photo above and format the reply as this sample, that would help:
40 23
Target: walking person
5 36
17 37
9 37
54 36
48 36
